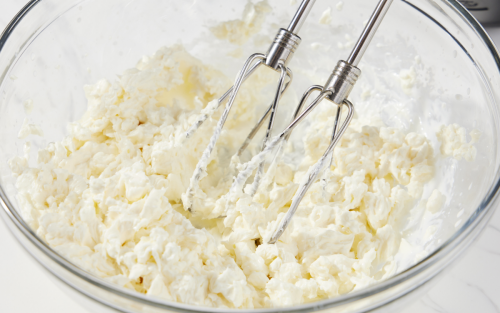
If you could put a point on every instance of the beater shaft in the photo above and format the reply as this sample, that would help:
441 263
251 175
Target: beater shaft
300 16
370 29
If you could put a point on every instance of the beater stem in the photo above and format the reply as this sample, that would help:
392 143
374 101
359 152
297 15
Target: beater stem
369 31
300 16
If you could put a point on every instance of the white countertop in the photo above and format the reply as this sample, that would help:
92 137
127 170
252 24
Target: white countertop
473 285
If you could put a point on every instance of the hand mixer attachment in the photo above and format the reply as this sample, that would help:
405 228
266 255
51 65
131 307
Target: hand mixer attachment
277 58
336 90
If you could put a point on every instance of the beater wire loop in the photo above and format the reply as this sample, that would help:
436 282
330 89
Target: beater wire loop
261 121
274 107
201 167
311 176
224 97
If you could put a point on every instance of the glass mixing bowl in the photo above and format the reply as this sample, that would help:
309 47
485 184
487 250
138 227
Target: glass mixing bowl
54 47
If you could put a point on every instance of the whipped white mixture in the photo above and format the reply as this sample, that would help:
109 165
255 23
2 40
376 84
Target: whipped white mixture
454 143
108 196
238 31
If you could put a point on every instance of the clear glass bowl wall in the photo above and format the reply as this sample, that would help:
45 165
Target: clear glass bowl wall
54 47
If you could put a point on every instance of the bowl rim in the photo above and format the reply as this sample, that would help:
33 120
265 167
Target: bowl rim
458 236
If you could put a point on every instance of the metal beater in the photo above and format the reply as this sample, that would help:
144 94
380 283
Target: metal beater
278 56
336 90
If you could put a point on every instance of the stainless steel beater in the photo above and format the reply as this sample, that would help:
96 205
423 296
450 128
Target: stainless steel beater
278 56
336 90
